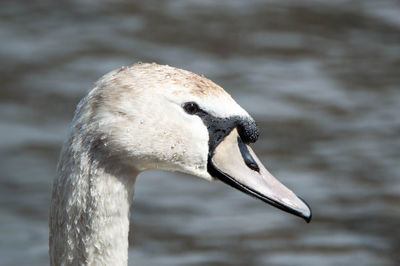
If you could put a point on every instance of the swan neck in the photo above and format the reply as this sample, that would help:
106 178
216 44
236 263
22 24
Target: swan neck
89 215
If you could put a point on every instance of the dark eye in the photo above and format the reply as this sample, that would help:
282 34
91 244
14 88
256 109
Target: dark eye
191 108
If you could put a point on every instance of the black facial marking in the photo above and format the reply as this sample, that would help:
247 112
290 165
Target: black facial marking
219 128
248 159
248 131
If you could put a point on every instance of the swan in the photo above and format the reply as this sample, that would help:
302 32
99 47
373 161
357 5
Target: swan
148 116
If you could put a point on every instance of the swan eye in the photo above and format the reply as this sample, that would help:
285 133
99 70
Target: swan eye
191 108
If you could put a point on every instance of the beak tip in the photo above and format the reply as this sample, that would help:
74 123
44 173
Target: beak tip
307 217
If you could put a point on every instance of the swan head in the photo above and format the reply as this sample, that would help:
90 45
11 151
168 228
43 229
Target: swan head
150 116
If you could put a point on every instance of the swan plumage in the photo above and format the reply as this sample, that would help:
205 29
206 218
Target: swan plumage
133 120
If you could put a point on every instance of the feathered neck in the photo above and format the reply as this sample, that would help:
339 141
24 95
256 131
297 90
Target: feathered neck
92 193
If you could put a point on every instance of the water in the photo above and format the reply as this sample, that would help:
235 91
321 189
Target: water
322 79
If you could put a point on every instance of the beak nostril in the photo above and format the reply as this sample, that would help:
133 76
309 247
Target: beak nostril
248 159
253 166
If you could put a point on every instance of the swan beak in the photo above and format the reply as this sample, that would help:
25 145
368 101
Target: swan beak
235 163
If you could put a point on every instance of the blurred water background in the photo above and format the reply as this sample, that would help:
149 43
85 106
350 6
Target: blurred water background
322 78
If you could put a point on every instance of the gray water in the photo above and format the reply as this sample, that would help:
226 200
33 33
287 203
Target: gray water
322 78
